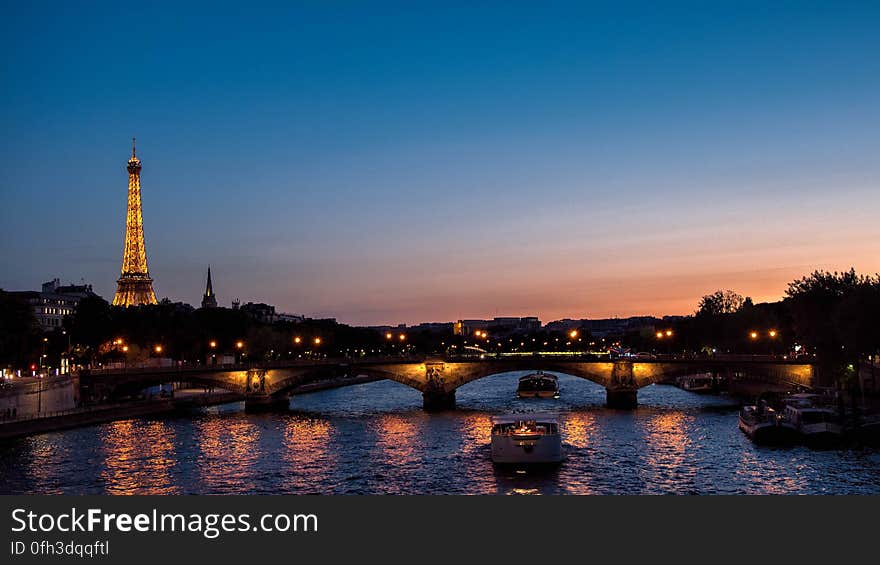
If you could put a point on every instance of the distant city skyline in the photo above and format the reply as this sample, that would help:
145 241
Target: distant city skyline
405 164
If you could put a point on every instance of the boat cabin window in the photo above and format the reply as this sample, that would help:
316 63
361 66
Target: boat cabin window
525 427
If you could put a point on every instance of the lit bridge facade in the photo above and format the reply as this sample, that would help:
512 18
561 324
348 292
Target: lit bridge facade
271 384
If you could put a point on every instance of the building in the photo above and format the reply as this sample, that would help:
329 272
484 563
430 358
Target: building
291 318
54 302
434 327
259 311
209 300
498 325
604 327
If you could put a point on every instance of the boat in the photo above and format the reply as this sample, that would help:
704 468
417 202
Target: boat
538 385
526 439
816 423
764 425
701 383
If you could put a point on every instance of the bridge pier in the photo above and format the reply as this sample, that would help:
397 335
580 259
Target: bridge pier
621 398
436 401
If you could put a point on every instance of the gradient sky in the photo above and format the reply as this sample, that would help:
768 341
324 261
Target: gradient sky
386 163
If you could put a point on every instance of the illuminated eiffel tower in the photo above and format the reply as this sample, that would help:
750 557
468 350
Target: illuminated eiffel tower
135 287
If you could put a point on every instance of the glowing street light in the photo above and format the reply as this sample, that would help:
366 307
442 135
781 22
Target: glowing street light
753 335
158 349
659 335
317 341
125 348
297 340
772 333
573 334
402 337
389 335
668 333
239 344
212 344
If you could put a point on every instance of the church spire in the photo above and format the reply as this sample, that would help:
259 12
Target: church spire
209 300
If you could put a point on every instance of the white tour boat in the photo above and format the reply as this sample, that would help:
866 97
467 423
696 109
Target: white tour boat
764 425
815 422
526 438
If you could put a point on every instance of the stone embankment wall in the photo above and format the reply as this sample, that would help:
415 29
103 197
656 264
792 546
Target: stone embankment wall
32 396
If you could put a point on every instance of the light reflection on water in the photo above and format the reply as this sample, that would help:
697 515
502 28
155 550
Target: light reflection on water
138 457
375 438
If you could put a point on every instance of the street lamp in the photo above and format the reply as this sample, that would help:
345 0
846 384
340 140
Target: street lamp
753 335
573 334
317 341
389 335
668 333
297 340
212 344
402 337
239 344
772 333
158 349
659 335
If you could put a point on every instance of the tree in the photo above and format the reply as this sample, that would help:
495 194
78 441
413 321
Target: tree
720 302
19 339
837 315
89 326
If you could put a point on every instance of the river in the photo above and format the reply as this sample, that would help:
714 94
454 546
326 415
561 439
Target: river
375 439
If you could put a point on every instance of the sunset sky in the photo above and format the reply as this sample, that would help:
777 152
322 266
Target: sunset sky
406 162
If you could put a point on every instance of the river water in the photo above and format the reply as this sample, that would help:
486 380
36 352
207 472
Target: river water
375 439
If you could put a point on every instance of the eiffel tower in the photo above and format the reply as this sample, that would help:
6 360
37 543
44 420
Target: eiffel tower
135 287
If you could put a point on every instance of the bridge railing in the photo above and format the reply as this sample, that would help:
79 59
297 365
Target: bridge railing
184 368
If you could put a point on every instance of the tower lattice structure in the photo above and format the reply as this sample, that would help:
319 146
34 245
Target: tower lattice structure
134 287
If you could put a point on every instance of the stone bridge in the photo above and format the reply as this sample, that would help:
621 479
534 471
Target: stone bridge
438 378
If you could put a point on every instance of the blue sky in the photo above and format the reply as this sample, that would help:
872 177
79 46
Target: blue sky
389 162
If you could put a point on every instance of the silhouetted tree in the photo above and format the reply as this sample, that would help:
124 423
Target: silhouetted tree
19 337
720 302
837 314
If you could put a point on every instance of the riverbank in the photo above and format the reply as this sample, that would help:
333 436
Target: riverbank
83 417
182 400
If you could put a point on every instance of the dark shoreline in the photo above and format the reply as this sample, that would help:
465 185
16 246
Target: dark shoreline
101 414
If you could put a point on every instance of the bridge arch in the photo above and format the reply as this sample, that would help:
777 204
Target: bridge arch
438 379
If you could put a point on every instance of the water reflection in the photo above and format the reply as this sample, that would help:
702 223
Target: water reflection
397 453
580 429
666 444
374 438
139 457
308 454
45 456
768 475
227 453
